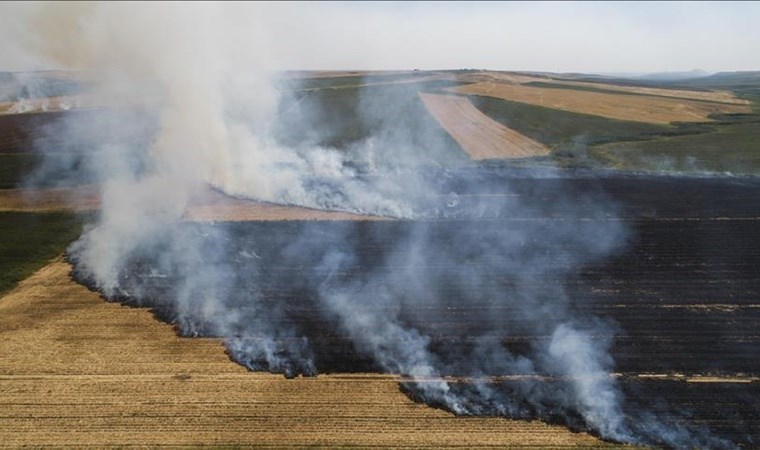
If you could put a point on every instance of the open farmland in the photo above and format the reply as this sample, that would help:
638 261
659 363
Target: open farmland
480 136
563 130
46 104
30 240
731 148
714 96
77 371
85 198
212 205
683 291
19 131
206 205
639 108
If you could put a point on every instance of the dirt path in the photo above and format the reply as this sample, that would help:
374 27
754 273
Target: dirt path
77 371
479 135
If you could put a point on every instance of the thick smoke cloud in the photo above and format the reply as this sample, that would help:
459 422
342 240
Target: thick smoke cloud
192 103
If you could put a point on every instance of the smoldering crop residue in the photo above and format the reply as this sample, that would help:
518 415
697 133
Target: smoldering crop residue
382 293
192 102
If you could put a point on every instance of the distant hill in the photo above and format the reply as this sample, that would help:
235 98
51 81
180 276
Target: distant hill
673 76
731 78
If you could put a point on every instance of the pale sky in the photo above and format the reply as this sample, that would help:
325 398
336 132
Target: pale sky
601 37
541 36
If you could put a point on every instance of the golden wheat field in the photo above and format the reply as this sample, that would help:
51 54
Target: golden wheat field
77 371
635 108
717 96
708 96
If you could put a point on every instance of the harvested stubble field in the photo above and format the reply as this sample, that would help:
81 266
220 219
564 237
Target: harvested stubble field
212 205
709 96
77 371
479 135
207 205
602 85
83 198
636 108
46 104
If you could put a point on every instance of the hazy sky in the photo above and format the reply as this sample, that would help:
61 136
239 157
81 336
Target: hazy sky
541 36
550 36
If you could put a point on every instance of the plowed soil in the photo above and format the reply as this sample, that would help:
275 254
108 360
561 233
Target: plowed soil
635 108
77 371
479 135
19 131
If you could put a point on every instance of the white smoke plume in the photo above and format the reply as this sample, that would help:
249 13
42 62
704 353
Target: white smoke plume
190 94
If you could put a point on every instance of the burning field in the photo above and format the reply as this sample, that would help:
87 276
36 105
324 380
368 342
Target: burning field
682 314
680 298
352 258
79 371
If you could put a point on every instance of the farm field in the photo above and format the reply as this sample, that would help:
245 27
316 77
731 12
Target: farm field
212 205
18 131
478 135
690 94
647 109
45 104
207 205
730 148
79 371
84 198
684 292
569 117
29 240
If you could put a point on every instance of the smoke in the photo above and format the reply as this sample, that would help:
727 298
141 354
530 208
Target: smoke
191 102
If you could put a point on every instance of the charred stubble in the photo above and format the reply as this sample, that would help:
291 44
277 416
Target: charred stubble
680 298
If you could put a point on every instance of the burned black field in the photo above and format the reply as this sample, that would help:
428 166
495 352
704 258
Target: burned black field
677 296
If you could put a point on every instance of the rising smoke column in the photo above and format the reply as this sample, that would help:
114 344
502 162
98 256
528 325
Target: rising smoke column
202 73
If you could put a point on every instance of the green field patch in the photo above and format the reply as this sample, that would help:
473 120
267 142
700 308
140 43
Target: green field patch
558 129
28 241
731 147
